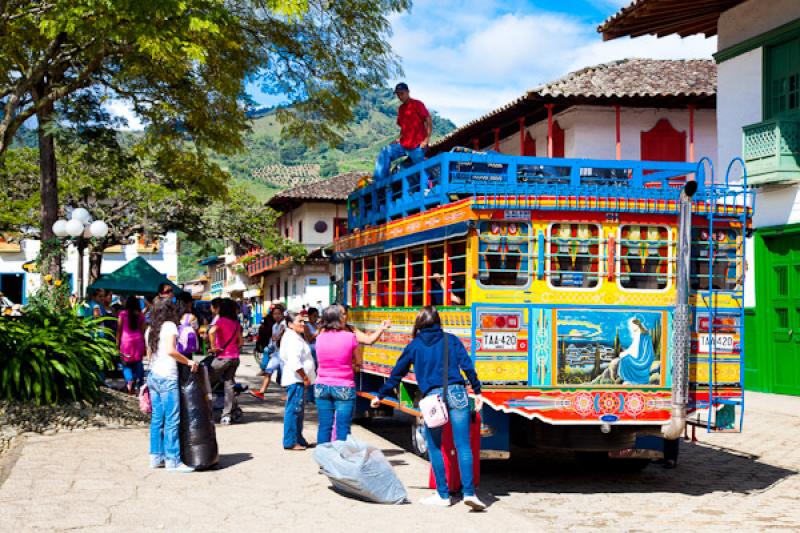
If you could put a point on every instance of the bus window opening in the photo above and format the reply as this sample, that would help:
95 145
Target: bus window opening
504 250
574 255
723 274
383 281
399 292
645 253
457 258
417 278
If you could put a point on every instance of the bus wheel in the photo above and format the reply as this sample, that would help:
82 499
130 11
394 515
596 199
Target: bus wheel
418 443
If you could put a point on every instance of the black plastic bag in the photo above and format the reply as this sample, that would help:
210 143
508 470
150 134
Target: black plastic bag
198 437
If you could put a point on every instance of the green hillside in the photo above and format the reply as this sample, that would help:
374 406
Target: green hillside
374 126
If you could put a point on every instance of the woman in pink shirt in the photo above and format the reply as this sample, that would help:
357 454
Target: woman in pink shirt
335 387
226 340
130 342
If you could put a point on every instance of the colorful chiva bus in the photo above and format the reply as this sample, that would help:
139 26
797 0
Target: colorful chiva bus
559 276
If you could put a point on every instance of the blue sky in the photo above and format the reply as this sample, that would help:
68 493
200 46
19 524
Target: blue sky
465 58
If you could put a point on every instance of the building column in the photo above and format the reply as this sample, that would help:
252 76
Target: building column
691 132
618 126
549 108
521 121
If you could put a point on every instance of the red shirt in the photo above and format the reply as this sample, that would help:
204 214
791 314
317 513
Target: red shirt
411 119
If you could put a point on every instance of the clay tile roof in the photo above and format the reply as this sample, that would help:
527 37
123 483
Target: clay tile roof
665 17
641 82
636 78
334 189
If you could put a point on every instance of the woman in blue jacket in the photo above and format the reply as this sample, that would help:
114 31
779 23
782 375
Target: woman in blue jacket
426 353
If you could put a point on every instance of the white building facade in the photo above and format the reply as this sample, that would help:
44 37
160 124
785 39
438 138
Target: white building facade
312 215
18 283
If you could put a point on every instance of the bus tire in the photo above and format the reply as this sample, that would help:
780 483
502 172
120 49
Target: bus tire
419 445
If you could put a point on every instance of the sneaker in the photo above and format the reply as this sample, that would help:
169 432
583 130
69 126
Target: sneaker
225 421
180 468
435 500
474 503
156 462
257 393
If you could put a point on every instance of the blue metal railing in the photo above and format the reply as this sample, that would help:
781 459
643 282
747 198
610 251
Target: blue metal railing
450 176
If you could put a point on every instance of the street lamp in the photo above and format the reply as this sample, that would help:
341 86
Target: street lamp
80 227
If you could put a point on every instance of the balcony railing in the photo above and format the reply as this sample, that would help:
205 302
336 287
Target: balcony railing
772 151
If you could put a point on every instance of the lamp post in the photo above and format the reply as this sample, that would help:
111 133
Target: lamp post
80 227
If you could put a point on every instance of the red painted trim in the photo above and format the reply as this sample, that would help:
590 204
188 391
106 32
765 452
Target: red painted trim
426 281
364 283
618 119
521 121
612 257
448 269
558 140
691 132
549 108
392 286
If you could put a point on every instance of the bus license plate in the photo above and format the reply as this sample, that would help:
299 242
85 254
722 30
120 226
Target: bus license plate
499 341
723 342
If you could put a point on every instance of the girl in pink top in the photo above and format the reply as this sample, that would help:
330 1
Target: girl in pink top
226 340
337 357
130 342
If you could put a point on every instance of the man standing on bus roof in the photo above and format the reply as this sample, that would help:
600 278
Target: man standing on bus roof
416 127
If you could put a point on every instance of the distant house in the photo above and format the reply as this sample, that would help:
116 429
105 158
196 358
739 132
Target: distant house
758 118
312 214
19 280
647 109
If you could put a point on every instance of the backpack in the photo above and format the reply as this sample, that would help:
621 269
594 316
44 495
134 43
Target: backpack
187 337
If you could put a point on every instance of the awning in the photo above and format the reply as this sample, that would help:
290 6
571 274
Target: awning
423 237
136 277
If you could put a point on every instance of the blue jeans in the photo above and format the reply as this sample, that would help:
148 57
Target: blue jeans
293 416
458 403
133 373
391 152
164 440
337 402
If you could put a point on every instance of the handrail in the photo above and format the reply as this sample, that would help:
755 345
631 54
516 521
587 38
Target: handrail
453 175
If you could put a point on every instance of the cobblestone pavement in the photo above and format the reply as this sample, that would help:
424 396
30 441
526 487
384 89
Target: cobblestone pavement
98 481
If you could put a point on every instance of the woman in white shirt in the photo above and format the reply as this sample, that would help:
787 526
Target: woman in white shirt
165 447
298 373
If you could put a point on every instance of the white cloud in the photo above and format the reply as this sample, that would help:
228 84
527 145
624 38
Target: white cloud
122 109
464 60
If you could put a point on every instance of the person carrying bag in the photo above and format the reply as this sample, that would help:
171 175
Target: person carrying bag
445 398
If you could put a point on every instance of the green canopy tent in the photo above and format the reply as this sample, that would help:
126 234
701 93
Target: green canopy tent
136 277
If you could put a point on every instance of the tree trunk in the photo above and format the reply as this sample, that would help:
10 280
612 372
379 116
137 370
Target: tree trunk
50 254
95 261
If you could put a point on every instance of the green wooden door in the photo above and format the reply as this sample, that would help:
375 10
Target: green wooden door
783 312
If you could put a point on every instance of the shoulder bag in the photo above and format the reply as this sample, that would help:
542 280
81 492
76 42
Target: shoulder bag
434 406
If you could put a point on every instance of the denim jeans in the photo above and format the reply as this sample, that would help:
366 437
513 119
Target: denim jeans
335 402
293 416
133 373
460 417
164 421
393 151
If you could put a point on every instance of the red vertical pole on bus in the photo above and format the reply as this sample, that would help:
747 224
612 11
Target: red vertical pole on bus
448 269
426 272
392 286
364 283
408 278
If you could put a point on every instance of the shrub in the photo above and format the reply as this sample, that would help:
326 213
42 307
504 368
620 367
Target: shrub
50 355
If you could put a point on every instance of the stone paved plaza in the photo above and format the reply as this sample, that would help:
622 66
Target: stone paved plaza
99 481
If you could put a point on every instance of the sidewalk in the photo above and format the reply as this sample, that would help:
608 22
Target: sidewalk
99 481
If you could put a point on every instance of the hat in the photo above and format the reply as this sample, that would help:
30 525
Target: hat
402 86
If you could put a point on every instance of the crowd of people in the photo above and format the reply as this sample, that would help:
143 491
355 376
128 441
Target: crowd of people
317 356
